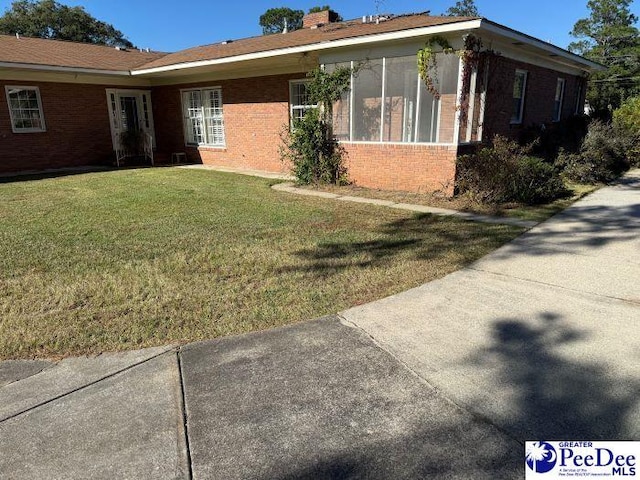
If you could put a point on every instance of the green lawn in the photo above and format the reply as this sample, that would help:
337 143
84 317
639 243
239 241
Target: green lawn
134 258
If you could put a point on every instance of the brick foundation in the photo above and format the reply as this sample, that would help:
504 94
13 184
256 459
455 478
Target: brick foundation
412 168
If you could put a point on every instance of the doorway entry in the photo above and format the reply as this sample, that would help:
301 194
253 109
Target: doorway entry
131 120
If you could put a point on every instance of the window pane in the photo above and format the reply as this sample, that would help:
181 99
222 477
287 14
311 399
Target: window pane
299 100
447 84
401 99
428 120
341 108
204 124
25 109
518 96
367 108
557 107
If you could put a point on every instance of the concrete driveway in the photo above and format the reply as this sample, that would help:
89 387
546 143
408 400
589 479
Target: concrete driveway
539 340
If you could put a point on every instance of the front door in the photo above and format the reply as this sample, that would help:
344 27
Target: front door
129 111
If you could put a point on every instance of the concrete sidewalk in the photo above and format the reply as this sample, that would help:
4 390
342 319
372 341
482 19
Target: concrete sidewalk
538 340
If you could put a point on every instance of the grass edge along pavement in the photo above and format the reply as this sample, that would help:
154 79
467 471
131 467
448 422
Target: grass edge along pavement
135 258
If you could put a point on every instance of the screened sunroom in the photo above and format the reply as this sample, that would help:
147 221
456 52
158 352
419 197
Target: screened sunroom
389 103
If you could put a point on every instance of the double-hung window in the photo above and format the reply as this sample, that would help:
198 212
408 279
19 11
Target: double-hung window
519 90
25 109
557 106
299 100
203 117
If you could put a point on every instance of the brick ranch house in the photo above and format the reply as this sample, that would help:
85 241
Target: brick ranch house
68 104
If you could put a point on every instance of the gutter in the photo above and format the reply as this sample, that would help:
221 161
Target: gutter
53 68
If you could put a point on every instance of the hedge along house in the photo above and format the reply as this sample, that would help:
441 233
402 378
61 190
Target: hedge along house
226 104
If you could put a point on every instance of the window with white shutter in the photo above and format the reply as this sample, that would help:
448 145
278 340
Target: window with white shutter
203 117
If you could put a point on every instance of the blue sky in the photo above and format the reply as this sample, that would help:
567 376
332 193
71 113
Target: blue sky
166 25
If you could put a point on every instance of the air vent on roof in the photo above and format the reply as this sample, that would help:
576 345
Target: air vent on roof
376 18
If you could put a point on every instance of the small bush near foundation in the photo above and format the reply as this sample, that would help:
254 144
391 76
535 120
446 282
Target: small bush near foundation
602 156
310 145
506 172
316 156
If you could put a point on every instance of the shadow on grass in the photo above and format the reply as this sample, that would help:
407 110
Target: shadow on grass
29 176
420 237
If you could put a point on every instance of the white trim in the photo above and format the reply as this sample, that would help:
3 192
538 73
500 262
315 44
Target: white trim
472 103
52 68
406 144
520 117
383 98
351 100
456 125
314 47
506 32
483 100
43 128
578 101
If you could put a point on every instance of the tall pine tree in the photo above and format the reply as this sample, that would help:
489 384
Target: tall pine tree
610 37
463 8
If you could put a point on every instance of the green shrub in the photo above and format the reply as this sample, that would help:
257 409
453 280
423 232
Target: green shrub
626 121
506 172
602 156
315 156
310 145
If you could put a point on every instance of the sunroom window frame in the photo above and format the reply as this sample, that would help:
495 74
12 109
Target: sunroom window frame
185 117
14 129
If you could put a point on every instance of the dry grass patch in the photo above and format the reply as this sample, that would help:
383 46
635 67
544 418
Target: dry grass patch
464 203
135 258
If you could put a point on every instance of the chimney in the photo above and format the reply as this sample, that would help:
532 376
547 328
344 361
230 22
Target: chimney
311 20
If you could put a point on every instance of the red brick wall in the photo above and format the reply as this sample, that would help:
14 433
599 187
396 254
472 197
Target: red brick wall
539 97
77 123
255 112
412 168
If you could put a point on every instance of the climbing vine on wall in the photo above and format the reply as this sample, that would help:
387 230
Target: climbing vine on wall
428 65
471 56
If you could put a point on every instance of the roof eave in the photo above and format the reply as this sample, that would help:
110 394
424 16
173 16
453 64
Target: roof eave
55 68
488 25
313 47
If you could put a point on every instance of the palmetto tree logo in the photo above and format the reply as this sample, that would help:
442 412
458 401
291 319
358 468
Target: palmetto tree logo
540 456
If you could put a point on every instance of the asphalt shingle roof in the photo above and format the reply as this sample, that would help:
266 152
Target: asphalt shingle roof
57 53
306 36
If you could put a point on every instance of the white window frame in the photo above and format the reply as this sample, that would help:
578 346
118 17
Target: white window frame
204 118
579 103
517 119
8 89
296 107
557 103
